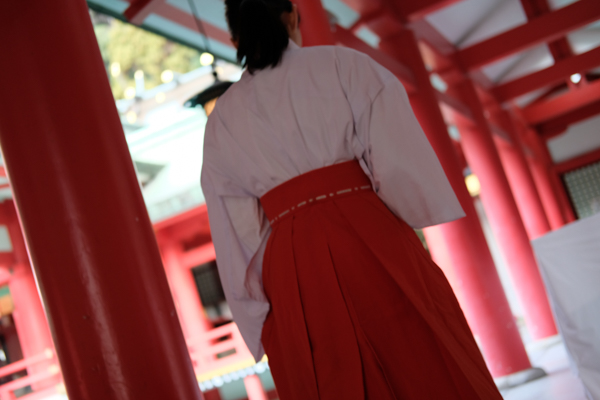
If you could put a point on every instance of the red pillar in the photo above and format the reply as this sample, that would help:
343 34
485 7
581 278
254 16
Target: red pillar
504 217
89 236
30 319
485 304
541 176
521 183
254 388
434 236
559 199
183 289
559 187
315 26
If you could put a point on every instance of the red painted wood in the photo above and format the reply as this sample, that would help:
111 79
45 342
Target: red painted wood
315 25
348 39
558 125
193 214
183 288
540 30
5 273
560 195
561 70
88 232
523 187
160 7
540 167
455 104
503 213
440 253
254 388
198 256
517 171
424 31
30 319
187 20
25 362
364 7
40 395
562 105
46 374
563 197
138 10
485 305
559 48
578 162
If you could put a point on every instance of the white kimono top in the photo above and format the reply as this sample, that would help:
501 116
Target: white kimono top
320 106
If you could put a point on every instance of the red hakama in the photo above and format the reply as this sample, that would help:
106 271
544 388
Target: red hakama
358 308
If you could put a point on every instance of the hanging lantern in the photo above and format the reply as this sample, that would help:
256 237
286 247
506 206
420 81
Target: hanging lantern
208 97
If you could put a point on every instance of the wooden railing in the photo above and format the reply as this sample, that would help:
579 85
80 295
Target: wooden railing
216 352
50 370
219 351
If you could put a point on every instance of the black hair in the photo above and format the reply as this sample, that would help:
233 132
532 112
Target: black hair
257 27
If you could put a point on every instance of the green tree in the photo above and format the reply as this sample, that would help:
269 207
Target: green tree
134 49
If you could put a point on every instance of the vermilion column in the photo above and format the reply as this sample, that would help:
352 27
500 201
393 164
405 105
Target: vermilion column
183 288
441 256
539 167
314 25
558 186
522 184
90 240
30 319
541 177
504 217
484 302
254 388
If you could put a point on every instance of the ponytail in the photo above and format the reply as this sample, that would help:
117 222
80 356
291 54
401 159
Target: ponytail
262 36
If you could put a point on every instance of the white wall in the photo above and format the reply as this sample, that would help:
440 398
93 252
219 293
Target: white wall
579 139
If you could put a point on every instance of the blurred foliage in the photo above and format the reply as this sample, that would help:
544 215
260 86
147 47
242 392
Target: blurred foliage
136 49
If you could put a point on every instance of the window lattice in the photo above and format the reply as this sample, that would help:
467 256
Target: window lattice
209 284
583 186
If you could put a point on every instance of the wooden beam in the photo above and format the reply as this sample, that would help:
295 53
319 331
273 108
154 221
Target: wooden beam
569 102
348 39
364 7
455 104
426 32
198 213
545 28
187 21
198 256
559 48
577 162
138 10
558 125
560 71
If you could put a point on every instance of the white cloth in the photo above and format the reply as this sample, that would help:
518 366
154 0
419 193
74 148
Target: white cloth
320 106
569 260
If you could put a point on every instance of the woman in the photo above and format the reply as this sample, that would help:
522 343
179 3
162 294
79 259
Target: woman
315 174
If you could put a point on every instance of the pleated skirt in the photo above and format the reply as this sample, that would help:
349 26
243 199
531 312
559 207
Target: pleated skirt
358 308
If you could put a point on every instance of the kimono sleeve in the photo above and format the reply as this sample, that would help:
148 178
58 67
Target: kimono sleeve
239 232
406 172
